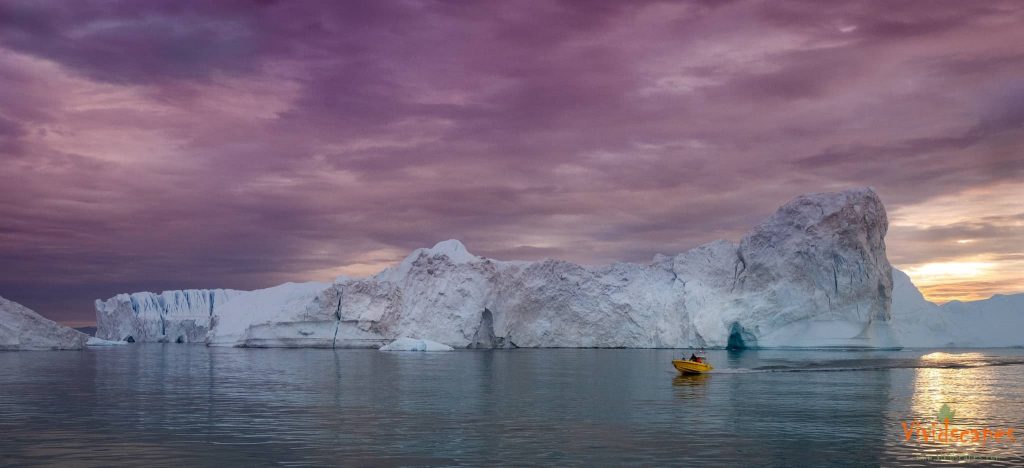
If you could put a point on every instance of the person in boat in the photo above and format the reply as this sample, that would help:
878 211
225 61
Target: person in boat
694 358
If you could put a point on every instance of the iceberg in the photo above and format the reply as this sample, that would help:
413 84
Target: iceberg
820 258
291 315
413 344
989 323
170 316
21 329
287 315
814 274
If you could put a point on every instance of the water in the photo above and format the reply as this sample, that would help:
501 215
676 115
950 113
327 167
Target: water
187 405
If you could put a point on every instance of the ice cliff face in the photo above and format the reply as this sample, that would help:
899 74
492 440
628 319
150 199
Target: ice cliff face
171 316
813 274
21 329
288 315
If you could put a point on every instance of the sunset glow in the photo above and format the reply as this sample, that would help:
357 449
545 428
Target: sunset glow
962 247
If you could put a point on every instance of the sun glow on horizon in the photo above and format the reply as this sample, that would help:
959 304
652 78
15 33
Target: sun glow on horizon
969 280
962 246
929 272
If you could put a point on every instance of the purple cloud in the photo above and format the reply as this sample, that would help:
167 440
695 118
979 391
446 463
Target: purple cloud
159 145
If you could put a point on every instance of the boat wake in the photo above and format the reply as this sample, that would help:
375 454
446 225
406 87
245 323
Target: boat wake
928 361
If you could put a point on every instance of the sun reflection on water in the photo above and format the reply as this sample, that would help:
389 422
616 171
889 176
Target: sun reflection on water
966 390
952 358
953 379
952 386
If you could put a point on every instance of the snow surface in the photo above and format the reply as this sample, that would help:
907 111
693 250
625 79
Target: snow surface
21 329
814 274
413 344
248 319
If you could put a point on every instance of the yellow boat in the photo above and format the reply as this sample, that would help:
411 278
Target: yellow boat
692 367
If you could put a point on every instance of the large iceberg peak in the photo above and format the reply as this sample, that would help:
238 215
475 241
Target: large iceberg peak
850 209
819 259
451 249
454 249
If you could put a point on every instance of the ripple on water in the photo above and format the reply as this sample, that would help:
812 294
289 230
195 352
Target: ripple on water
147 404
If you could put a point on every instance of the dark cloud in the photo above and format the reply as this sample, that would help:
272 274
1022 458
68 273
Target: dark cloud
126 42
158 145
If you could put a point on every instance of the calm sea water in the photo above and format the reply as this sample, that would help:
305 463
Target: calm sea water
188 405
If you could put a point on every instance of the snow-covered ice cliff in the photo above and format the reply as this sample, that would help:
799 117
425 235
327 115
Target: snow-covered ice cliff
21 329
174 316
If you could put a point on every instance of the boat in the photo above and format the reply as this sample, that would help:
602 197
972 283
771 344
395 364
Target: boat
689 367
697 364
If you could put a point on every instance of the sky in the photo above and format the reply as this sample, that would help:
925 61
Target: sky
195 144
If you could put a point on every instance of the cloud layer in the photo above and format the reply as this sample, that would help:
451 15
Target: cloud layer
160 145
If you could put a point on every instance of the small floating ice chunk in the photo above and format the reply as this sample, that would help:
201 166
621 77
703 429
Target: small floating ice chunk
413 344
93 341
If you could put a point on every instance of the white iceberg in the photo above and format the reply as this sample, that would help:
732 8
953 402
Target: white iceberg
170 316
413 344
814 274
287 315
820 258
21 329
988 323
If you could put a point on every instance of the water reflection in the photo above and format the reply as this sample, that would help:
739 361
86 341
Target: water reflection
973 390
630 407
691 386
959 380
